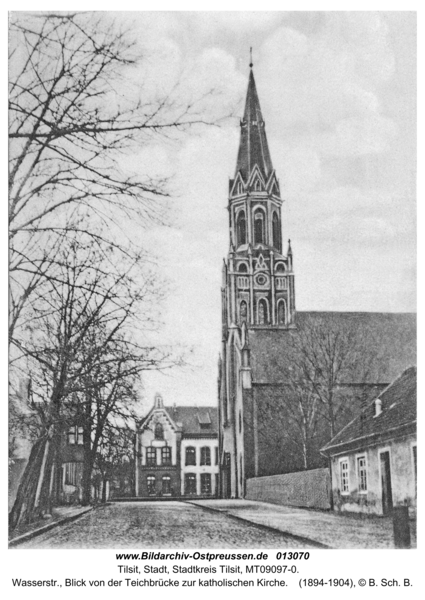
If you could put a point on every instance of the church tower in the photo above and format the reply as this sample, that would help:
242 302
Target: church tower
258 298
258 279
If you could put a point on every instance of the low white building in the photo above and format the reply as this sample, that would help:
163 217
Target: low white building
374 458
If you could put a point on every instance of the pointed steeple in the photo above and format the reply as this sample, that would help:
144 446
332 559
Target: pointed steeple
253 147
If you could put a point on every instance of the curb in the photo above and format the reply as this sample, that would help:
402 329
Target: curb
31 534
298 538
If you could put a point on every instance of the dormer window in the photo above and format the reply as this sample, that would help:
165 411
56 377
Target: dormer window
257 185
204 420
239 188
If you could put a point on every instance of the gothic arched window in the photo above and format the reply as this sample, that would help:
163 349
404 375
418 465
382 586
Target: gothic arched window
243 311
281 312
276 233
262 312
241 228
259 229
243 268
159 431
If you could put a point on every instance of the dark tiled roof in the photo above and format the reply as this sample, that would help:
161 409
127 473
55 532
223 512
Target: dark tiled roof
190 418
253 147
389 337
398 411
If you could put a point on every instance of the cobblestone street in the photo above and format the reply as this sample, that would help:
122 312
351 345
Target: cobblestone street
140 525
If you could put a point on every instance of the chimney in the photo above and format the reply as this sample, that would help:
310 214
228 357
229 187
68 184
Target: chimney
378 407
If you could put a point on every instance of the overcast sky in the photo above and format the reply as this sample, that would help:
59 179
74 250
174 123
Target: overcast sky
337 91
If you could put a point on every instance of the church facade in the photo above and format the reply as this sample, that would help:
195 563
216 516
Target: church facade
261 328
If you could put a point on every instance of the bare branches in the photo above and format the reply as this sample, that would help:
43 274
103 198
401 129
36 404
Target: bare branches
75 116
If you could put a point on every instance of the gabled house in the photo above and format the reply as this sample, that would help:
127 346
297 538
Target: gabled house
373 459
177 451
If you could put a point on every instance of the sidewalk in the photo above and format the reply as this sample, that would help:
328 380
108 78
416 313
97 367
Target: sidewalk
330 529
60 515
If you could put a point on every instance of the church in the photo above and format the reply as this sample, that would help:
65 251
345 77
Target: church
271 395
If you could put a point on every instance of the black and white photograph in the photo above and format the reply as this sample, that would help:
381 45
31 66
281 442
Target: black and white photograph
212 283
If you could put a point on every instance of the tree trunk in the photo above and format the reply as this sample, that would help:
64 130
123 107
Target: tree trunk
104 498
33 498
87 473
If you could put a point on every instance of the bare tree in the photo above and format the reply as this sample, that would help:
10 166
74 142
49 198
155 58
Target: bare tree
81 344
327 358
325 372
81 292
76 112
114 462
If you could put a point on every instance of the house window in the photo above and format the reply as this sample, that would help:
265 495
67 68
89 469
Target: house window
80 436
71 436
159 431
150 480
166 455
151 456
190 484
190 455
205 483
205 455
75 436
362 473
343 465
70 473
166 484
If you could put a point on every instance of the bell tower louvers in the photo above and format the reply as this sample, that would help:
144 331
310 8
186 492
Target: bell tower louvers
258 279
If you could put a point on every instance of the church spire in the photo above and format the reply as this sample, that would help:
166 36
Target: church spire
253 146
